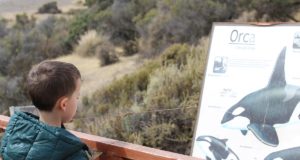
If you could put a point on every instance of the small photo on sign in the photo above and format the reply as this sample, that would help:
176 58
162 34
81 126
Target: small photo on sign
296 43
220 64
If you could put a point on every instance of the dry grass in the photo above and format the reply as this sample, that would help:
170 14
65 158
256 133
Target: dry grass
297 15
88 43
94 76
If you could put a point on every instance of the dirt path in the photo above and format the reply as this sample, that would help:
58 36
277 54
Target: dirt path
94 77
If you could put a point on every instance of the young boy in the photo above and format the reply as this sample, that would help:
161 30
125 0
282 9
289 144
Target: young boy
54 89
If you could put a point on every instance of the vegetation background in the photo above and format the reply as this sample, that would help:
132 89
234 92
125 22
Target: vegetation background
158 46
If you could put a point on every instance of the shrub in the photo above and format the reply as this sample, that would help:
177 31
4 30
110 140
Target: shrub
106 54
88 43
24 23
158 135
55 31
246 16
183 22
130 48
50 7
4 60
274 10
12 92
25 48
143 20
77 26
30 51
11 45
122 92
166 91
100 3
176 54
3 29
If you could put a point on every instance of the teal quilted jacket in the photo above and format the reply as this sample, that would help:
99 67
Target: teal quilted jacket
26 138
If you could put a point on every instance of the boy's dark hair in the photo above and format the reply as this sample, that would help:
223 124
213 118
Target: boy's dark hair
50 80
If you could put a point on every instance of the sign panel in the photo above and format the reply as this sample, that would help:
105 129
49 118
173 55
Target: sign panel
249 106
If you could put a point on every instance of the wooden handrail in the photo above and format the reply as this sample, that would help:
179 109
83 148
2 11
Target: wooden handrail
118 150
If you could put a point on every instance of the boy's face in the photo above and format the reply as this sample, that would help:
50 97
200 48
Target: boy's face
72 103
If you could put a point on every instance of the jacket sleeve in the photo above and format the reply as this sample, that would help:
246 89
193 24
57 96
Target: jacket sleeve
7 135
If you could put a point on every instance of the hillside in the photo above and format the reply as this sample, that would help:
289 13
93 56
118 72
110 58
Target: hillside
94 76
10 8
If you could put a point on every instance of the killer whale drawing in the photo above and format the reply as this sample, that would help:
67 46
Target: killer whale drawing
287 154
268 106
216 149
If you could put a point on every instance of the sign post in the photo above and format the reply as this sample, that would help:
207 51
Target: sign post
249 104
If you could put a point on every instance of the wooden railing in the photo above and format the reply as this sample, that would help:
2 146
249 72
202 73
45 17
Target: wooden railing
110 149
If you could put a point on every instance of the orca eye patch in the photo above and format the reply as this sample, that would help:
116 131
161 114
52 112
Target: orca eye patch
238 111
278 158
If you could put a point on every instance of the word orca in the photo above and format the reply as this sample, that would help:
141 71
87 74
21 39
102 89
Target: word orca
271 105
287 154
216 148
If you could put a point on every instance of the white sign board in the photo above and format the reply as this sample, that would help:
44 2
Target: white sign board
249 106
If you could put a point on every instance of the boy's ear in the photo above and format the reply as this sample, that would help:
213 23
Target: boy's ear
62 103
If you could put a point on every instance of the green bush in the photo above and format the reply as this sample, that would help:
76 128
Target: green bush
4 60
11 46
55 31
50 7
166 91
272 10
122 92
12 93
3 28
156 135
184 21
56 45
24 46
29 52
77 27
176 54
130 48
100 3
24 23
106 54
90 2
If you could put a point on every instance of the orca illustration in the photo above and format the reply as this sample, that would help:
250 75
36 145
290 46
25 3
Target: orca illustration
216 149
287 154
268 106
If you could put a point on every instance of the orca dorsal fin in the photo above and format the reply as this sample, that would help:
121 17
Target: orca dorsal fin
278 76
